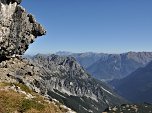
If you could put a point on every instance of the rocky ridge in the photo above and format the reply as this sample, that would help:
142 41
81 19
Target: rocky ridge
67 81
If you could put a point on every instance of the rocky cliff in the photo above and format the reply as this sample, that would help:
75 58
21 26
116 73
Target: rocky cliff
17 28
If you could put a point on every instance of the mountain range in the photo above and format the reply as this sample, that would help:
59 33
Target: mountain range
127 63
65 80
128 73
111 66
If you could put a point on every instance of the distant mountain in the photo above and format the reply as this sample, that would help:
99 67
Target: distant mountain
116 66
137 87
85 59
63 53
89 58
66 81
111 66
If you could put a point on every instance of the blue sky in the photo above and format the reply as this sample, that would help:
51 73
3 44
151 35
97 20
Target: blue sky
110 26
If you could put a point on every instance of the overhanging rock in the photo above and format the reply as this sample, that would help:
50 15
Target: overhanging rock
17 28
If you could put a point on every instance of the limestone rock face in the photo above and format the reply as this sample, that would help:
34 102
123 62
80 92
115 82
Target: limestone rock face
17 28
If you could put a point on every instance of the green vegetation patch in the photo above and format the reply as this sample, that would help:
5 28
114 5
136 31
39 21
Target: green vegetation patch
23 87
30 104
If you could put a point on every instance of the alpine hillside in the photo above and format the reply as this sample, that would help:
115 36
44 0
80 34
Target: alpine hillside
137 87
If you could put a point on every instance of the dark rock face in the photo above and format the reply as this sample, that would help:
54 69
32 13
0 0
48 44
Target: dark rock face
17 28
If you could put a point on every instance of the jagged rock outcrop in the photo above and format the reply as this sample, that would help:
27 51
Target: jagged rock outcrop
17 28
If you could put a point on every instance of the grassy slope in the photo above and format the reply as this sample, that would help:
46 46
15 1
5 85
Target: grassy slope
14 102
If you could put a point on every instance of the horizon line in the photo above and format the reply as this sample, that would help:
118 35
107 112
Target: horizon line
69 52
